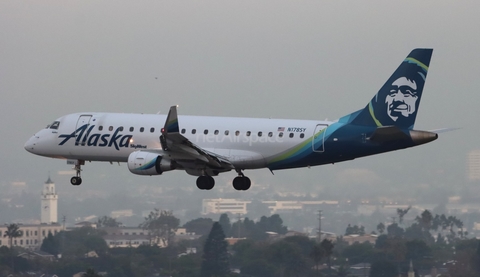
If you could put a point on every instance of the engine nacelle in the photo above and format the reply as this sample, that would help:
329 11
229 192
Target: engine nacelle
146 163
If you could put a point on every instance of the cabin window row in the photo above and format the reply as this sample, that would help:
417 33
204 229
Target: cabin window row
205 132
131 129
248 133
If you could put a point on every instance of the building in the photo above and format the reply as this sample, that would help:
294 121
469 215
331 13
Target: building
32 235
234 206
290 206
127 237
220 206
351 239
473 165
49 208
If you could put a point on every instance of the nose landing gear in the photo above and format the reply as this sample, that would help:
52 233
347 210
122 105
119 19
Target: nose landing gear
76 180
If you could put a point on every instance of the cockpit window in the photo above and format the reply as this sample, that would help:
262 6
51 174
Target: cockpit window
54 125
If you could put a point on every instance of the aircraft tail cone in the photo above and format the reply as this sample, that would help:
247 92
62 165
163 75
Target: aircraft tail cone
421 137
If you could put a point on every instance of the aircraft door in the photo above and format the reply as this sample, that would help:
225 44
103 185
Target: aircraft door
319 138
82 120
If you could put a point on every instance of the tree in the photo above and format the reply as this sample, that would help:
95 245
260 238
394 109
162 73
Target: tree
425 220
258 268
416 232
394 230
418 250
327 247
90 273
383 269
106 221
358 252
51 245
317 255
199 226
224 221
79 241
161 226
381 228
355 230
13 231
215 260
288 259
272 224
401 213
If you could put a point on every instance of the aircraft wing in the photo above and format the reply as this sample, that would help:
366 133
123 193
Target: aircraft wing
183 151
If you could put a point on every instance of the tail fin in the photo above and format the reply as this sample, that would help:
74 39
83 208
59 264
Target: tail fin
397 102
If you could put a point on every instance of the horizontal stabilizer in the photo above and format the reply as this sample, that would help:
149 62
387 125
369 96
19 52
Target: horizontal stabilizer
388 133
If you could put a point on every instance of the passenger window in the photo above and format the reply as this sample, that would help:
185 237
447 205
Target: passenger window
183 131
110 128
259 134
270 134
100 127
291 135
194 131
237 133
248 133
227 132
280 134
302 135
142 129
121 128
205 132
131 129
152 130
216 132
55 125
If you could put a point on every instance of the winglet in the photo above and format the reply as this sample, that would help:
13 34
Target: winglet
171 124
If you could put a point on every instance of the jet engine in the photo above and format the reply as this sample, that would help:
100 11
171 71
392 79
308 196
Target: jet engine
147 163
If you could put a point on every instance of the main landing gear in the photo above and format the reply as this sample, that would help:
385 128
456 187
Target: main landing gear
241 182
206 182
77 180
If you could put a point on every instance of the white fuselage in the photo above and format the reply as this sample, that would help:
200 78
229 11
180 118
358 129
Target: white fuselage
246 142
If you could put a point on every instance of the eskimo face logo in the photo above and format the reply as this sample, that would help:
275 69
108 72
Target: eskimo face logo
402 98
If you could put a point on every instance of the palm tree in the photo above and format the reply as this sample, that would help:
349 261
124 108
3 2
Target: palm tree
13 231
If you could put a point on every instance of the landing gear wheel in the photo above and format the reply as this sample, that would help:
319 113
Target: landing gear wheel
76 181
241 183
205 182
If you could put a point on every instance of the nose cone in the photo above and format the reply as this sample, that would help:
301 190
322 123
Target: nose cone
30 144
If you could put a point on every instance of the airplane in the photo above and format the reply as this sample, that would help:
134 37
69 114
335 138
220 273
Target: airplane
206 146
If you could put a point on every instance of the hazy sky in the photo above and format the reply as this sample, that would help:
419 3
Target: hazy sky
282 59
